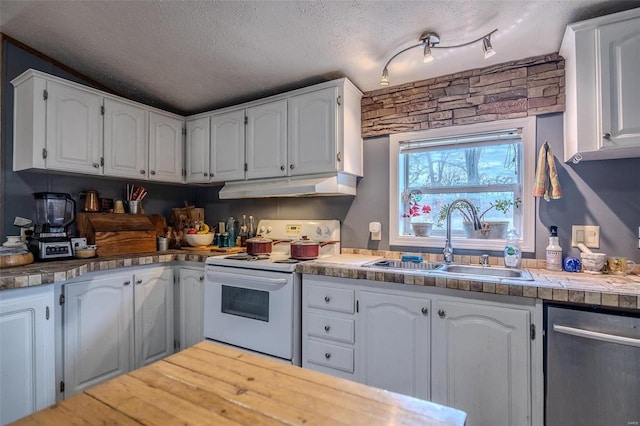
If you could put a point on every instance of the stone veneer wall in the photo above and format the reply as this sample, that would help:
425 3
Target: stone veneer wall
521 88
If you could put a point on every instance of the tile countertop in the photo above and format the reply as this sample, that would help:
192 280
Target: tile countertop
604 290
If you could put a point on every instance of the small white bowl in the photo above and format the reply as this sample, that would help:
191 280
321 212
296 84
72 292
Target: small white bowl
422 229
199 240
593 262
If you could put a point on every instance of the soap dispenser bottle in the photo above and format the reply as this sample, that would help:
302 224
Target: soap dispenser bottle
554 251
512 253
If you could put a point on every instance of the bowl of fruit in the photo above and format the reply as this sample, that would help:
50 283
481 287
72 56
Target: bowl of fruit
198 236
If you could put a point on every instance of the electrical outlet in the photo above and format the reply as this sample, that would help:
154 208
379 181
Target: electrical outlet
587 235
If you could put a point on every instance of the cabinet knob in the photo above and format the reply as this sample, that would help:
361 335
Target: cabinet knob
127 282
96 165
291 166
425 310
339 156
153 172
327 328
142 172
205 174
139 282
327 299
202 278
327 355
442 313
282 168
606 136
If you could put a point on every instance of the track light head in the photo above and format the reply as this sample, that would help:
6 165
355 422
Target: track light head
384 81
487 48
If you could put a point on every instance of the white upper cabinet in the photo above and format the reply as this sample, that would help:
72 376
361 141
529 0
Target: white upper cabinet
56 126
125 140
227 146
166 148
198 147
312 126
266 140
602 117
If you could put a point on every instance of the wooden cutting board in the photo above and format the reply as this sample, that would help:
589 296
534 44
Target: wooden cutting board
215 248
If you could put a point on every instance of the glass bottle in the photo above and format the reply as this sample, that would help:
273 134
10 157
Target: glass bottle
244 231
251 232
231 230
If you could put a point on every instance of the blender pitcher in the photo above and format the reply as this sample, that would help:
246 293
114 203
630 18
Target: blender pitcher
54 212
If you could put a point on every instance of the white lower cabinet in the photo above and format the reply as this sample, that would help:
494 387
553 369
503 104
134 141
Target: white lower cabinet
482 361
189 304
27 352
115 323
394 342
470 351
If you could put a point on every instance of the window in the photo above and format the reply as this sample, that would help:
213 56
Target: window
490 164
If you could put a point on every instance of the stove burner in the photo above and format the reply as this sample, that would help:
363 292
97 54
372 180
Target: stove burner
290 260
246 256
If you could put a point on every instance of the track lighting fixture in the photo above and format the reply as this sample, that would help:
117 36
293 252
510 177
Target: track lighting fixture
430 40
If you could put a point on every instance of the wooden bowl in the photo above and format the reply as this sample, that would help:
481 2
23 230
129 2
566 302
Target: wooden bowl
16 260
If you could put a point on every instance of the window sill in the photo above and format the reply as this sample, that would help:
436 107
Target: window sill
456 243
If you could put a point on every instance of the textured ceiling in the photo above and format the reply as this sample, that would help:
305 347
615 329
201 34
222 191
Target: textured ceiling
196 55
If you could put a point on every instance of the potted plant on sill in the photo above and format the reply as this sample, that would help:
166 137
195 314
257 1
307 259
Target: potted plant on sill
491 229
416 219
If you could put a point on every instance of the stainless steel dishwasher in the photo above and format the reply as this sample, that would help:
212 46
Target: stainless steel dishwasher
592 365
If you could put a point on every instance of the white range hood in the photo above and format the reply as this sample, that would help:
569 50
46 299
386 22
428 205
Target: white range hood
298 186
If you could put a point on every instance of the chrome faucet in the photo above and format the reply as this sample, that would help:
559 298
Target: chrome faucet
448 250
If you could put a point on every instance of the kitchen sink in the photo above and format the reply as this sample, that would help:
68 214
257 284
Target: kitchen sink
453 270
397 264
484 271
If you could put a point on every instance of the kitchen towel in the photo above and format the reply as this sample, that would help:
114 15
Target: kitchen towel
547 184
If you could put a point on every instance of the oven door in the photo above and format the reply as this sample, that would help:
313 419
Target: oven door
251 309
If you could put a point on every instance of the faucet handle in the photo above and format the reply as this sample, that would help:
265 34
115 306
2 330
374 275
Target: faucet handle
484 261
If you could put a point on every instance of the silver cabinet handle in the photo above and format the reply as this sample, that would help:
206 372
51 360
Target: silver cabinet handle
327 355
442 313
206 174
327 328
139 282
604 337
96 165
201 278
291 166
606 136
127 282
339 156
425 310
282 168
327 299
153 172
143 172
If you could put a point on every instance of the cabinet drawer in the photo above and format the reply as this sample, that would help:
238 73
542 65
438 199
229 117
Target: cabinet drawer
333 299
330 355
330 328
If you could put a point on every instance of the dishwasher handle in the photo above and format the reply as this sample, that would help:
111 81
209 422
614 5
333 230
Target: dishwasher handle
595 335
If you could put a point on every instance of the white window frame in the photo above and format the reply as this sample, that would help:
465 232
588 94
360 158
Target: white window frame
527 242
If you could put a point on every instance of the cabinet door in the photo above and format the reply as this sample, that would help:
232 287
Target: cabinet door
393 343
620 91
198 145
227 146
125 140
191 307
98 331
153 299
166 156
27 350
267 140
482 361
313 132
74 130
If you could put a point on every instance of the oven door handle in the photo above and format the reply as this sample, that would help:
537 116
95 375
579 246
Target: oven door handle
248 281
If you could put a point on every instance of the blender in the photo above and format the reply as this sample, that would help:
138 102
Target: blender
54 213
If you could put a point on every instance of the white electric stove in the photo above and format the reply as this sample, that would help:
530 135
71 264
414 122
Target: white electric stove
254 302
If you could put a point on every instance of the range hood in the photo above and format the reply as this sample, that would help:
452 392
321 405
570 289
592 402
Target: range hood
299 186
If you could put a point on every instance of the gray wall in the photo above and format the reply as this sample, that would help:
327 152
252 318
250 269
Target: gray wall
604 193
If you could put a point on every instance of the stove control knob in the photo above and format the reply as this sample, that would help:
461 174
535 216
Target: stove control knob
327 231
269 229
318 230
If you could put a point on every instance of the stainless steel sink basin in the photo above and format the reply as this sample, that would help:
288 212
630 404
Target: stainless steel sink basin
396 264
484 271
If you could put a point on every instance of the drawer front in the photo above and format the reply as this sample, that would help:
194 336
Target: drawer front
338 329
333 299
330 355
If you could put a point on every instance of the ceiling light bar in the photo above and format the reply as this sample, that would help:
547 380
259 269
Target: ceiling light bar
430 40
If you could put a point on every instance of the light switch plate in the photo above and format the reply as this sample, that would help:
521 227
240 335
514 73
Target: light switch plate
587 235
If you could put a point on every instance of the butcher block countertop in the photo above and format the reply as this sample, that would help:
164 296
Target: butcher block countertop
213 384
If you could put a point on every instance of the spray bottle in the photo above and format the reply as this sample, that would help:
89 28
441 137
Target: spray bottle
554 251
